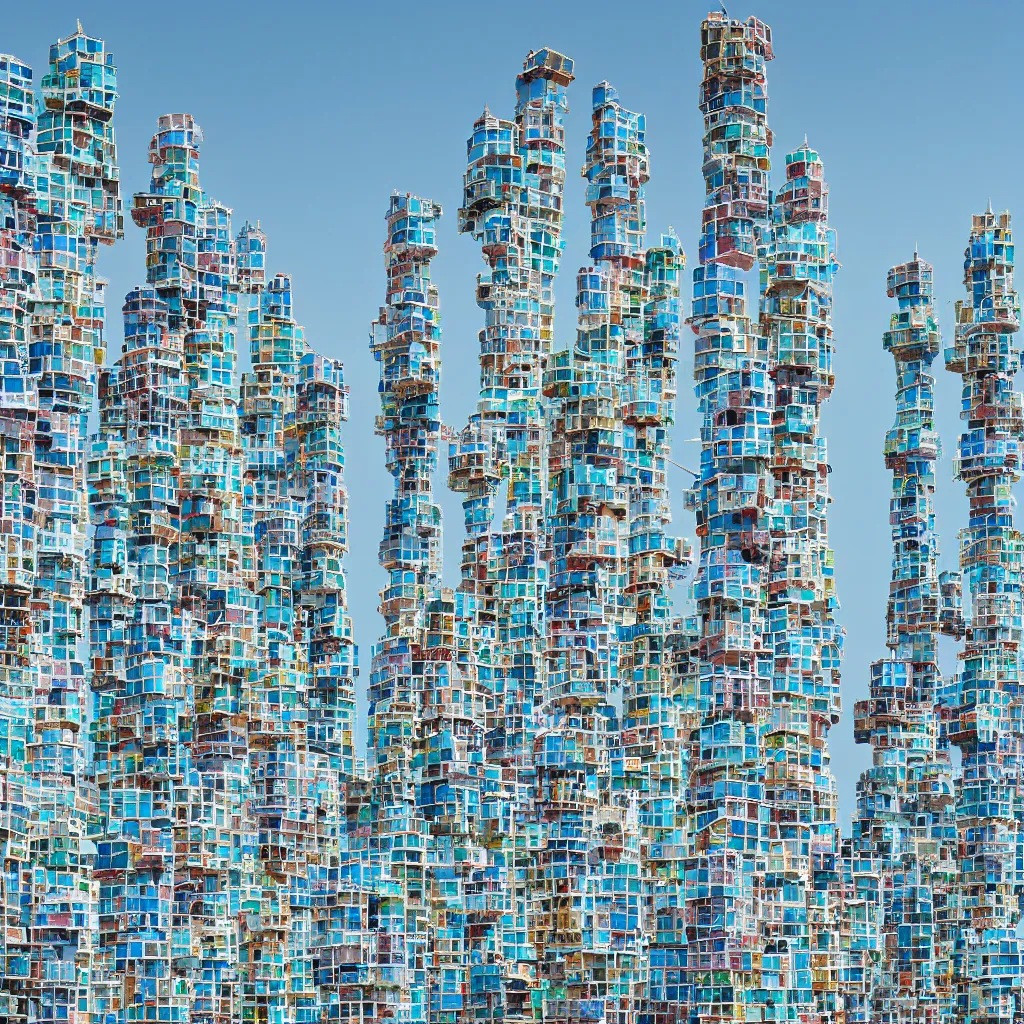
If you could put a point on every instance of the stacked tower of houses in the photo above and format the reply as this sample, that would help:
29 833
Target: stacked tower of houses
798 264
730 827
59 201
406 670
904 833
985 718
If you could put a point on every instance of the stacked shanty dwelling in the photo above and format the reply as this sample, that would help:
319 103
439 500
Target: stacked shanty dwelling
985 719
730 828
798 259
512 204
904 834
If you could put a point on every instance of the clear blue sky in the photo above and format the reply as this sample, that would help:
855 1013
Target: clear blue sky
315 112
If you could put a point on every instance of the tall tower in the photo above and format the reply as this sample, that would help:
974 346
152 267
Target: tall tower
986 720
292 404
905 825
590 922
212 568
139 641
654 712
512 204
326 768
79 209
59 201
19 522
726 797
798 264
181 649
406 343
277 702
